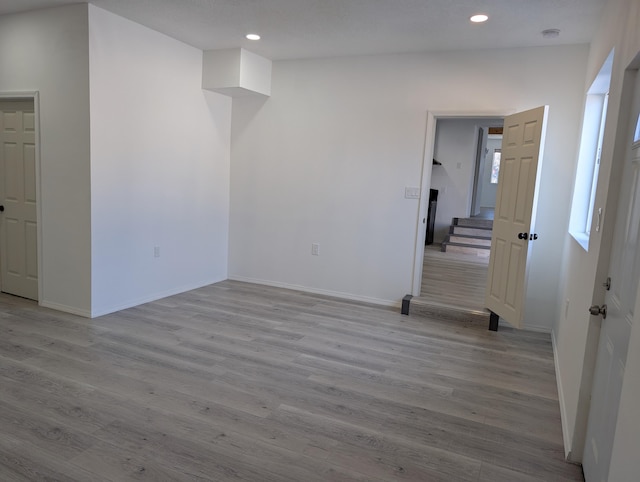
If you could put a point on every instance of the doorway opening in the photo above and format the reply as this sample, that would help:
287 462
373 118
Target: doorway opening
454 264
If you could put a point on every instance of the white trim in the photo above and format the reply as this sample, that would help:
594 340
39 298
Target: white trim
566 438
425 183
153 297
34 95
535 327
425 186
67 309
318 291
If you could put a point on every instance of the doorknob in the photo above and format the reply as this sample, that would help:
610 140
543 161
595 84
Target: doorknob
523 235
1 208
596 310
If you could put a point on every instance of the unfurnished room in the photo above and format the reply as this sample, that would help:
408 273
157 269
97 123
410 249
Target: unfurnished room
319 240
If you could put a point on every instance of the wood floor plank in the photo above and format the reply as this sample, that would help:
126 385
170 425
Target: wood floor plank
442 281
237 381
22 462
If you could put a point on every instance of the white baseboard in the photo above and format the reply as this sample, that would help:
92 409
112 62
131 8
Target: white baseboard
566 438
67 309
535 327
317 291
101 311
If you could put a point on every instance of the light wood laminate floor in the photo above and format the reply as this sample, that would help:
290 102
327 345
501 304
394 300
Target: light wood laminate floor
452 279
243 382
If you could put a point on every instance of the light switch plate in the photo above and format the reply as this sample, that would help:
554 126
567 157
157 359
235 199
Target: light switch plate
412 193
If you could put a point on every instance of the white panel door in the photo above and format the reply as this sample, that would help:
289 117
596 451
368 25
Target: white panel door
18 228
522 144
624 270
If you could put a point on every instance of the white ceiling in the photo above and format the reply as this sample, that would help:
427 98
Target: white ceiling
326 28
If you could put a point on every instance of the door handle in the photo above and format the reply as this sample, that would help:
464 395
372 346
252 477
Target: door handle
596 310
523 235
1 208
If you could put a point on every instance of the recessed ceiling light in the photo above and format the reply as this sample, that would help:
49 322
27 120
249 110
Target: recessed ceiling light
551 33
253 36
479 18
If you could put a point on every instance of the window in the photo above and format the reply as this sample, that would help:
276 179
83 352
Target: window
596 167
495 166
590 152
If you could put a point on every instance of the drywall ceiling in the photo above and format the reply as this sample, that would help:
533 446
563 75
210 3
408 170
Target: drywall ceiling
293 29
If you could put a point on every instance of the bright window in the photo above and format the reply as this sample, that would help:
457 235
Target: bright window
591 140
495 166
596 167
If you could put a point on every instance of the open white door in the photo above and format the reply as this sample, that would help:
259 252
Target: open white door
522 145
18 225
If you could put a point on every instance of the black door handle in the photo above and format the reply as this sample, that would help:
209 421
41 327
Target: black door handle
1 208
533 237
523 235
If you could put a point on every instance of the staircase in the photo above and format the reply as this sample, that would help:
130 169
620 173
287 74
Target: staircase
469 236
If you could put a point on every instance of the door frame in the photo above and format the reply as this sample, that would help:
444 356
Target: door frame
33 96
481 146
425 182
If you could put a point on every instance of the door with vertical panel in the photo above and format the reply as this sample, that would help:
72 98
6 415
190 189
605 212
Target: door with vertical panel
620 300
522 145
18 227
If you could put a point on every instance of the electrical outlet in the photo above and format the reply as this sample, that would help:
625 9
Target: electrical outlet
156 251
315 249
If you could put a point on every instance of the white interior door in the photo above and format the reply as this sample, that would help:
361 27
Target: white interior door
624 270
18 228
522 145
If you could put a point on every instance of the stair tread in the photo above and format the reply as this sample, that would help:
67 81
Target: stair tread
465 245
470 236
465 226
472 222
429 309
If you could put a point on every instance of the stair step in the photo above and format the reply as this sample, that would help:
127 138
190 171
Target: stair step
465 239
462 248
469 231
430 309
473 222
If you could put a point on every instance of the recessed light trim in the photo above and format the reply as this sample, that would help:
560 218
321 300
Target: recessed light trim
479 18
253 36
551 33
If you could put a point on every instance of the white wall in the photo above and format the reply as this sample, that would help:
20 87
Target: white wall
160 151
328 156
47 51
582 274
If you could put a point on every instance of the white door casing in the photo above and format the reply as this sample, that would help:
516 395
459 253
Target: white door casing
18 221
478 171
520 165
624 271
